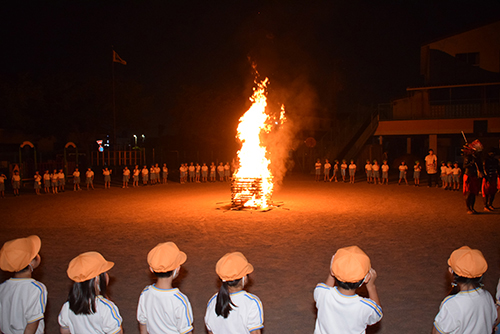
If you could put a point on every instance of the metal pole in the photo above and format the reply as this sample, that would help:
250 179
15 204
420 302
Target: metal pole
114 106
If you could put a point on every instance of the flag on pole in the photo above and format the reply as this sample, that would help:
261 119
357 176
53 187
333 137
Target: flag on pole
117 59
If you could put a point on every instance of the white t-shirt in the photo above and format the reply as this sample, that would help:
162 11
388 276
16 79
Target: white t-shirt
403 168
106 319
471 311
431 163
22 301
328 166
246 316
164 311
126 172
76 173
338 313
89 174
368 167
456 171
385 168
317 165
376 168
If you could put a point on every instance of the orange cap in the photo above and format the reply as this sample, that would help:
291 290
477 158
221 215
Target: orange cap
16 254
165 257
233 266
87 266
467 262
350 264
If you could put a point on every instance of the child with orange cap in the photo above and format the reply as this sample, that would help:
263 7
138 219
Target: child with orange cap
340 309
233 310
88 309
468 308
162 308
22 299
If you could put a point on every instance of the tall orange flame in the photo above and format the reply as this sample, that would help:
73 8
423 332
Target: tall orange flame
253 160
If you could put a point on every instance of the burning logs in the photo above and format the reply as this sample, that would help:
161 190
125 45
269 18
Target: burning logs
247 192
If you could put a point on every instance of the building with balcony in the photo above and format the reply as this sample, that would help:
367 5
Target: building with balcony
461 92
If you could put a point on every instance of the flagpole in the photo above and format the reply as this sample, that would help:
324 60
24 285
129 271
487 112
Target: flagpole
114 105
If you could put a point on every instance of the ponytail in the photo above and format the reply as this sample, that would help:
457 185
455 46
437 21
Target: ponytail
224 303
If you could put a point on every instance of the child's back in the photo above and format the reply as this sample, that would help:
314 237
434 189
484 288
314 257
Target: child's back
162 308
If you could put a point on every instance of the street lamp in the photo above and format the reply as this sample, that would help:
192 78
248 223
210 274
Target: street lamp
143 138
135 139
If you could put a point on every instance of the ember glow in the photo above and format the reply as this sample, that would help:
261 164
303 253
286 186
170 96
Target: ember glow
253 181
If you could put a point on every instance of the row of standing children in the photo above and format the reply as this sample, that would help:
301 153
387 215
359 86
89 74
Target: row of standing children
198 174
375 173
164 309
161 307
55 182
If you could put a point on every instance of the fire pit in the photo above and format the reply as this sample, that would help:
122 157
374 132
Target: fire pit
247 192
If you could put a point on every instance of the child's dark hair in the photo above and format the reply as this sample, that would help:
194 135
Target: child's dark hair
223 306
475 282
348 286
163 275
82 295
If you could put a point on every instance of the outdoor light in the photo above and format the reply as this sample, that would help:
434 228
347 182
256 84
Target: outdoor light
135 139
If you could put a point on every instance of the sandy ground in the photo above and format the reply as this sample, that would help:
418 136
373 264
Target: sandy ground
408 232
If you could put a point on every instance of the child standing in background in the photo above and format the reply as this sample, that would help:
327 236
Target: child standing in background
89 178
385 172
352 172
212 172
449 176
416 173
456 172
165 174
46 182
2 185
403 169
204 173
38 182
344 170
317 170
327 170
76 180
443 175
335 171
368 171
376 172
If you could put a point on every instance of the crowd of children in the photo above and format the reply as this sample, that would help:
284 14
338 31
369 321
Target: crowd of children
165 309
55 182
379 174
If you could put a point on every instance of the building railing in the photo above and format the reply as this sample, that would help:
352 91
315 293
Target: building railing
441 110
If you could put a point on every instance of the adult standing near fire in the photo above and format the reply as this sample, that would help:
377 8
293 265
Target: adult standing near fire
471 173
431 167
490 180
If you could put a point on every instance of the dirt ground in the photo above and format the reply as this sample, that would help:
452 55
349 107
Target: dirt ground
408 233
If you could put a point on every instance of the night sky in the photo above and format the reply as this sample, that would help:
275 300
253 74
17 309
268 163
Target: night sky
188 71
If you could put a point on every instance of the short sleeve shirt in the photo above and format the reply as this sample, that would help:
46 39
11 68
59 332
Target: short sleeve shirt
246 316
430 164
338 313
106 319
22 301
164 311
471 311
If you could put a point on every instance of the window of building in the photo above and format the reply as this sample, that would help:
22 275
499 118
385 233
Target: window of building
471 58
